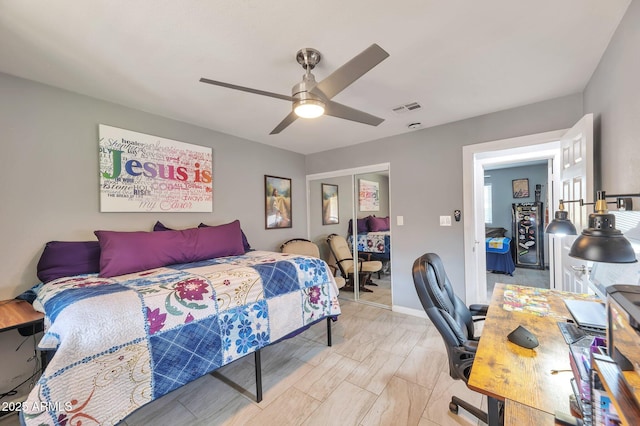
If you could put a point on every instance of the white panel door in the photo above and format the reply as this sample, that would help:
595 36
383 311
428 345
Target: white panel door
576 180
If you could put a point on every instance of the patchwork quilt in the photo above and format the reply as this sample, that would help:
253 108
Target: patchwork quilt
374 242
122 342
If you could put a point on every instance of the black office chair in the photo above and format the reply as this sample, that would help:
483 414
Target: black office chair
453 320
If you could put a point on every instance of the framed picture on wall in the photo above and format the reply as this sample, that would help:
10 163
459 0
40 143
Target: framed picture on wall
520 188
277 191
369 195
330 212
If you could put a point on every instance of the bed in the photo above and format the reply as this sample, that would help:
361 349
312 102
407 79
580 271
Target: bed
499 255
378 244
373 237
123 341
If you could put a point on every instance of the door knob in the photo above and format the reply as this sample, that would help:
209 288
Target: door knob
582 269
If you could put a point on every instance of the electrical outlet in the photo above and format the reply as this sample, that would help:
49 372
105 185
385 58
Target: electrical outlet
445 220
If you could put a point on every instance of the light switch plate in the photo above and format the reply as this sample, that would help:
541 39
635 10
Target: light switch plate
445 220
400 220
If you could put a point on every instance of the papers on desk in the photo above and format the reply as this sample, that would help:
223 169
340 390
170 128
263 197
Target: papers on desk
525 299
534 300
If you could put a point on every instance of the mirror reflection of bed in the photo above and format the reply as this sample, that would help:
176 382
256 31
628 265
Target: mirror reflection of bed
375 242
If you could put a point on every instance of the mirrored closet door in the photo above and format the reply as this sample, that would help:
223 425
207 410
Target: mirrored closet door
373 238
354 205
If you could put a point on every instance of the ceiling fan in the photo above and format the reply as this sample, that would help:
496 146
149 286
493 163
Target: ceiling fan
311 99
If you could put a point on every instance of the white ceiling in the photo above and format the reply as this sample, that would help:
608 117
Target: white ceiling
457 58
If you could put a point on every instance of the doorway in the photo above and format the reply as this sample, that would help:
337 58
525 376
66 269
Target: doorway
571 177
516 209
477 158
347 185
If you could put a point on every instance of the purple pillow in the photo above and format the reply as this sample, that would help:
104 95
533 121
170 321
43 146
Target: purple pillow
363 226
68 258
378 224
160 227
245 242
126 252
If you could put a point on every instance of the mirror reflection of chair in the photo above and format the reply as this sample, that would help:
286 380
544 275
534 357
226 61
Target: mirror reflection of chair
344 259
453 320
305 247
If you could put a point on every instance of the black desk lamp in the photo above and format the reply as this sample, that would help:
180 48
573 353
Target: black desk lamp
601 241
561 225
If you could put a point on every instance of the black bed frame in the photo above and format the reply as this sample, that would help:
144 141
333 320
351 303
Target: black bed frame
258 361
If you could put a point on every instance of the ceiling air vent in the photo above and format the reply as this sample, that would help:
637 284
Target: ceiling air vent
408 107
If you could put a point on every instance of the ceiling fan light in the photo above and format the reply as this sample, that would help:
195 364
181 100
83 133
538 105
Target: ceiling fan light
308 108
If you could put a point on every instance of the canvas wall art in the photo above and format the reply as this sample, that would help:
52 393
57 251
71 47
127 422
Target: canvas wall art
369 194
144 173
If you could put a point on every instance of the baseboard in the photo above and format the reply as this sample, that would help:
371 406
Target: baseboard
420 313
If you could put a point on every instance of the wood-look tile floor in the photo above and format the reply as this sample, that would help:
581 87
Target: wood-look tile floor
384 368
380 293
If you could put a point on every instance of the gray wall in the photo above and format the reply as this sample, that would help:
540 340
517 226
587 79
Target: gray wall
425 178
50 176
613 96
502 194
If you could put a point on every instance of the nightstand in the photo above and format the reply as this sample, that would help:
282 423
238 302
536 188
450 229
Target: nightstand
19 314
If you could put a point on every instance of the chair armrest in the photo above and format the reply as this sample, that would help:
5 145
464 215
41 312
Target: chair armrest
364 256
478 310
471 346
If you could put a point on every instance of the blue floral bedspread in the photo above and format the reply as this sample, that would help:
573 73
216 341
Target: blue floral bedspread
374 242
122 342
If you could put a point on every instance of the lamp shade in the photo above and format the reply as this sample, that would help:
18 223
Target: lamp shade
602 242
561 225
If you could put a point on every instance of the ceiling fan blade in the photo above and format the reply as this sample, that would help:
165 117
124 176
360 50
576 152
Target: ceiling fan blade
284 123
247 89
351 71
335 109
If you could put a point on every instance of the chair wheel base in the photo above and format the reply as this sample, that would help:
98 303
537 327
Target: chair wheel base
453 408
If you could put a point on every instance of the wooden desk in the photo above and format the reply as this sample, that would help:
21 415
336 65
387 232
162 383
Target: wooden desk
505 371
516 413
